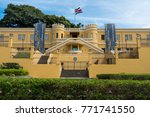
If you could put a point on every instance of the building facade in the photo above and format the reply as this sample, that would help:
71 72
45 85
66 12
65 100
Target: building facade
77 52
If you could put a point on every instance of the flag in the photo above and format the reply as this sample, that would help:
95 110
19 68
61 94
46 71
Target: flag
78 10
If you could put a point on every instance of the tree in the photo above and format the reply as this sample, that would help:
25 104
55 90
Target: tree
26 16
21 16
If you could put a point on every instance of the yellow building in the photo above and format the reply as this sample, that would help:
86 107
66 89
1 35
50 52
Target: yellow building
77 52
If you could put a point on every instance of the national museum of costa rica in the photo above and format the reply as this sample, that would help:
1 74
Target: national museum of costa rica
61 52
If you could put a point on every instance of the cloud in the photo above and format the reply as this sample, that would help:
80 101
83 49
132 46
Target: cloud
123 13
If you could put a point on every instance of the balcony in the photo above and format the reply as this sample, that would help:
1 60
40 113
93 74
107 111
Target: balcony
22 44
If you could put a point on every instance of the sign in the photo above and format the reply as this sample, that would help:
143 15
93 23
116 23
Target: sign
39 34
75 59
110 37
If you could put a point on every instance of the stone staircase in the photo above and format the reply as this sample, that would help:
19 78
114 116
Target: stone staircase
43 59
75 73
87 43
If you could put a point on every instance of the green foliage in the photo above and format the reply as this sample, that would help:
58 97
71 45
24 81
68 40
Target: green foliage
26 16
52 89
21 15
124 76
22 55
11 66
13 72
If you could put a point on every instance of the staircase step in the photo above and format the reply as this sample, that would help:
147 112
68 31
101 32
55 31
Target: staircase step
43 60
75 73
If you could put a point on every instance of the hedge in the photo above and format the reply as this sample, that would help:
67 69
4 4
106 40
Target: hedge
124 76
50 89
13 72
10 65
22 55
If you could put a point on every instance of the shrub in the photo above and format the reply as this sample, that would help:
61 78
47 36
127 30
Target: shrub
13 72
124 76
11 66
50 89
22 55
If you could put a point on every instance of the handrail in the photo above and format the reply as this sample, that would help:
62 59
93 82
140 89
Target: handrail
93 47
56 46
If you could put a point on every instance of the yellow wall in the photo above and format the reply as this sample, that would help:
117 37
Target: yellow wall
89 30
141 65
137 66
35 70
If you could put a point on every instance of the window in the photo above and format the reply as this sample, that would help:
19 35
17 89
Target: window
46 36
32 37
74 48
102 37
21 37
56 35
148 37
62 36
1 37
128 37
129 49
119 49
117 37
109 61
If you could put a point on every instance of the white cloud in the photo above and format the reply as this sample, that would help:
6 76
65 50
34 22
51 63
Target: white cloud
124 13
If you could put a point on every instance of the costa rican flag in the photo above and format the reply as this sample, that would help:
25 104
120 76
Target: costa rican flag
78 10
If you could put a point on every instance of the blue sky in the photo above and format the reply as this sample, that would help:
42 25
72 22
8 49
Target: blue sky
124 13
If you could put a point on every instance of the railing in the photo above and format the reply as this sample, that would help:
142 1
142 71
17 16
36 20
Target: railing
4 44
69 65
22 44
92 46
63 39
145 43
20 53
74 29
57 46
100 60
128 54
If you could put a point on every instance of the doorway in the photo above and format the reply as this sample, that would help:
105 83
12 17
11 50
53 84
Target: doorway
74 34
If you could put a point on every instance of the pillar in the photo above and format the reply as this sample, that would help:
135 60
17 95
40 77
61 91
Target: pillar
58 59
138 43
31 52
78 47
116 52
10 42
90 59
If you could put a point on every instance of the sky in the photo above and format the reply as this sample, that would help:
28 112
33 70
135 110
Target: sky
124 13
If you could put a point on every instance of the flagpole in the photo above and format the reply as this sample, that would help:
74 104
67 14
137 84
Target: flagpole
74 18
77 11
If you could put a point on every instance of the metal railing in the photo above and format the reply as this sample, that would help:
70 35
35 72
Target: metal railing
4 44
70 65
128 54
145 42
